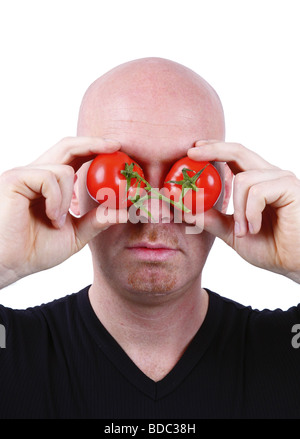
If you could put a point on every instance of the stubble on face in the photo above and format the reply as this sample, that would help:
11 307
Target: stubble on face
142 280
156 278
152 278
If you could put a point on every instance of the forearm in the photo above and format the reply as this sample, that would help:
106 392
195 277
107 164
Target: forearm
7 276
295 276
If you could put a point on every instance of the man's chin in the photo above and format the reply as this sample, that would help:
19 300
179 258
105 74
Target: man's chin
152 281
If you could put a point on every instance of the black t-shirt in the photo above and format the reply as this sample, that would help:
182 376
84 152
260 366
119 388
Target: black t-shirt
60 362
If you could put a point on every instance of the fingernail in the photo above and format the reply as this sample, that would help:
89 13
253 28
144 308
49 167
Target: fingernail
194 150
56 215
250 227
61 221
237 228
112 141
201 142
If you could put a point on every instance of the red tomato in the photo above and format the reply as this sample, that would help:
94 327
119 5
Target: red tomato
105 182
209 179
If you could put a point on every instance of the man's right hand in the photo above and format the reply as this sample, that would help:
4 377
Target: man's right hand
36 230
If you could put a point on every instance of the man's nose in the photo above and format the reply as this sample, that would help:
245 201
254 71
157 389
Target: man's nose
155 210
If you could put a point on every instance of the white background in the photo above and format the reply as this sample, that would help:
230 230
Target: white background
51 50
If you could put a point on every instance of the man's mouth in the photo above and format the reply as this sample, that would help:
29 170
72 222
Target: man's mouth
152 251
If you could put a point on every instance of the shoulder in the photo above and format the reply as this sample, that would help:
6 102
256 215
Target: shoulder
45 317
269 328
229 308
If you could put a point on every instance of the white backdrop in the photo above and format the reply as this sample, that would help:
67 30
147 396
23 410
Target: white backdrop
52 50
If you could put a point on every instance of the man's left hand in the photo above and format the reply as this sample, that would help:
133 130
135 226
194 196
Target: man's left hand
265 226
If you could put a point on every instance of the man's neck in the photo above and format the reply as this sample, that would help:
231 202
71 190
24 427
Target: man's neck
154 334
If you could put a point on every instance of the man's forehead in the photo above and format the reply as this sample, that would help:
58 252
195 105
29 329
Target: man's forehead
145 135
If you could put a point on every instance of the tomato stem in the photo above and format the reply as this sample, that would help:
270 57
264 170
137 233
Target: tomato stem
187 183
138 201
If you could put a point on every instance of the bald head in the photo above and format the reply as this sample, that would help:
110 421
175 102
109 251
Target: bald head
152 93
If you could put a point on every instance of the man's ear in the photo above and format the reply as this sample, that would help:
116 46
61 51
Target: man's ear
228 177
74 207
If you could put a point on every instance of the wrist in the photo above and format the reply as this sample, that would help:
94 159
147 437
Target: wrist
295 276
7 276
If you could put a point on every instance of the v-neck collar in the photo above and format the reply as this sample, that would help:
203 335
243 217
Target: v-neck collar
127 367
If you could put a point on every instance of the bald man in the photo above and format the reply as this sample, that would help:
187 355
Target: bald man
146 340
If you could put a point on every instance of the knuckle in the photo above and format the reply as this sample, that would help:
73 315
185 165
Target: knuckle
292 179
238 146
11 176
297 183
65 141
65 145
241 179
238 149
68 171
289 174
46 173
13 171
48 177
254 191
6 176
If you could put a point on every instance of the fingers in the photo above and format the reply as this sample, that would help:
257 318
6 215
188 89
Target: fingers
257 183
53 182
278 193
238 157
251 190
63 159
52 175
96 221
220 225
74 151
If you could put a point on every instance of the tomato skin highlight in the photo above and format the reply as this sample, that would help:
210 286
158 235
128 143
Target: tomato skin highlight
104 177
210 180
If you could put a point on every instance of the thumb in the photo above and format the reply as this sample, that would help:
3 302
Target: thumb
220 225
95 221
